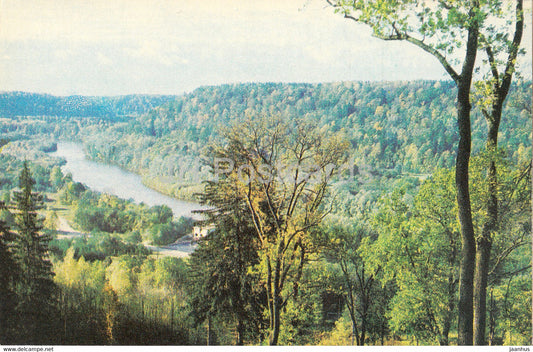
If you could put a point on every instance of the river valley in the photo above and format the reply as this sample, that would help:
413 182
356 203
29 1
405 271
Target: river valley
116 181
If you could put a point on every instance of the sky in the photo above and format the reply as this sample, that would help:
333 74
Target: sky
117 47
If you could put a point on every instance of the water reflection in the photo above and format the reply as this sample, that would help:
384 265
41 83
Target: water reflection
114 180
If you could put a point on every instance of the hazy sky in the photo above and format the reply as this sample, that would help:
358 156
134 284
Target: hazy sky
112 47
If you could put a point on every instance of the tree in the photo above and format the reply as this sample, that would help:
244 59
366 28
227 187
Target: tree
51 221
8 274
359 282
435 219
81 285
418 251
494 92
508 256
418 247
282 170
222 287
34 288
221 281
56 177
439 30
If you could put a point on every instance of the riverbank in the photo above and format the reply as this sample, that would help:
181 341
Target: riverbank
117 181
168 186
180 249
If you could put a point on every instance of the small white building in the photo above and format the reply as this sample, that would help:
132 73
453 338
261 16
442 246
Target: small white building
202 231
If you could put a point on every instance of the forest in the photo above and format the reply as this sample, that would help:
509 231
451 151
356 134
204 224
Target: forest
341 213
345 213
109 108
367 255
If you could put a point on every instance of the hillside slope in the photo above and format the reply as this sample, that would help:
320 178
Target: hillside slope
402 126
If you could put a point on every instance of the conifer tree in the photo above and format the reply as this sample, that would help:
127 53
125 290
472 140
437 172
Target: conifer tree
8 272
34 286
222 285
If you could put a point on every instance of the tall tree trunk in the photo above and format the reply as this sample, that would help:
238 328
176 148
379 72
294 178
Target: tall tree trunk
278 279
363 332
274 333
276 300
484 242
209 332
492 321
270 301
366 290
466 281
444 340
240 333
355 331
382 333
468 258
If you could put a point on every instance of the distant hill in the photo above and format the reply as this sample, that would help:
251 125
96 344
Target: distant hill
411 125
394 127
33 104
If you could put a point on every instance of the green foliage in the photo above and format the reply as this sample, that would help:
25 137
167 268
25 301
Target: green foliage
357 278
393 127
51 221
420 242
168 232
161 234
130 300
8 273
97 246
223 285
34 286
402 137
31 247
56 177
281 174
509 311
152 302
103 213
10 168
81 284
95 212
160 214
302 319
106 219
30 104
340 335
314 308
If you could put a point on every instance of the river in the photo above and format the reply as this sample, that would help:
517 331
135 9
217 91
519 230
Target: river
114 180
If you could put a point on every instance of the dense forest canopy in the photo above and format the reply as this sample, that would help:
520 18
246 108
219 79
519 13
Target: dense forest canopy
381 268
402 127
397 130
32 104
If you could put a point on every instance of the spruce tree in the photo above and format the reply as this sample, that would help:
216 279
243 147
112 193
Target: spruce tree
34 287
8 273
222 287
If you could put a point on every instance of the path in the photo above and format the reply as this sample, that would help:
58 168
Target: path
181 248
64 230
